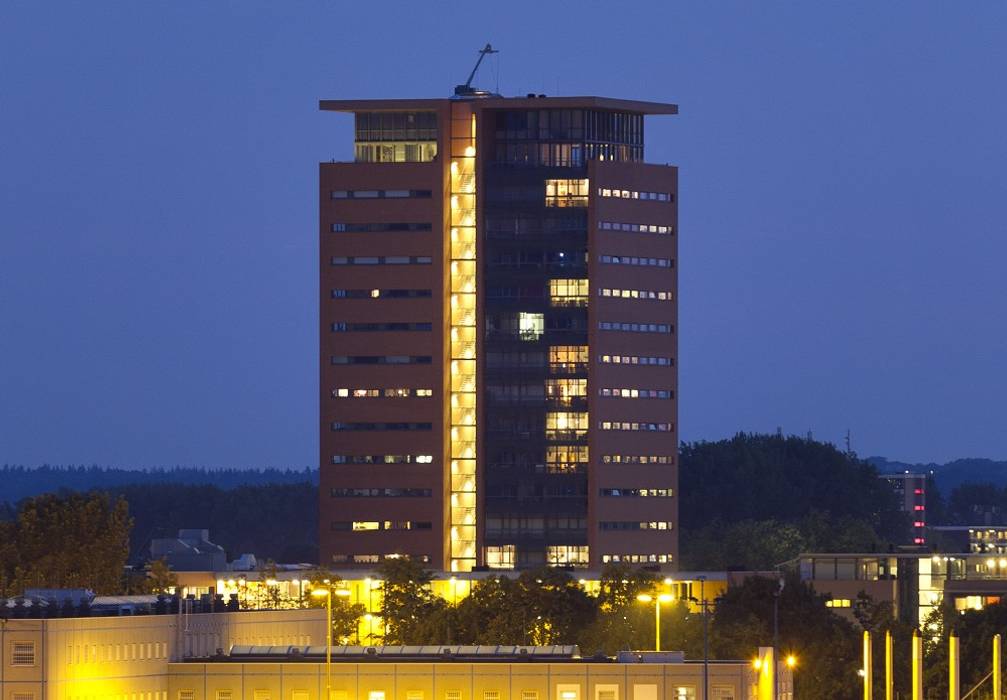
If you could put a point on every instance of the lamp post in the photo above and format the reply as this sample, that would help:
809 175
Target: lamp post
706 638
327 594
657 600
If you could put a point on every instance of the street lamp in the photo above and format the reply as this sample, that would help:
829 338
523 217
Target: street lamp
657 600
327 594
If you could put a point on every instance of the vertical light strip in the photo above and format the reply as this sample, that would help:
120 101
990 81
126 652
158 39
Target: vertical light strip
463 338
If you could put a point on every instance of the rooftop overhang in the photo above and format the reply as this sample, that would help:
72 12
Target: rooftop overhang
600 103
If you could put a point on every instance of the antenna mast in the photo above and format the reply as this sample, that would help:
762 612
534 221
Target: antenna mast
467 90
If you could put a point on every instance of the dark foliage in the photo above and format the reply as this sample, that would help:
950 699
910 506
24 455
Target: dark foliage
21 482
273 521
755 501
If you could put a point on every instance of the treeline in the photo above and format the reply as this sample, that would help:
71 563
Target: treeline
272 521
21 482
755 501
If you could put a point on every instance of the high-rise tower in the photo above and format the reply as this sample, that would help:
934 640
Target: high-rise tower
498 336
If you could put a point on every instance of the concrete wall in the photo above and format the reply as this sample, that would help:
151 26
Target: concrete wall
126 658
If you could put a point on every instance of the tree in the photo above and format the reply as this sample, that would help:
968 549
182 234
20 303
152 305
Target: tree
827 646
160 578
76 541
408 606
345 615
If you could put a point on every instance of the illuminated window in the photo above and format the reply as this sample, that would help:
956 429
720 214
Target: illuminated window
636 525
187 695
501 556
637 493
22 653
563 459
567 555
635 194
376 695
626 393
529 695
568 292
224 695
642 294
299 695
685 692
635 228
491 695
566 193
382 459
637 459
839 603
260 695
564 391
568 358
530 326
635 360
637 558
414 695
22 696
362 525
565 425
636 261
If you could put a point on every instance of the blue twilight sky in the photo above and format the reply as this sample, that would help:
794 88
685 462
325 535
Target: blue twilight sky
842 228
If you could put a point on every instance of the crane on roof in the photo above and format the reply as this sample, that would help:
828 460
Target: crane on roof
467 90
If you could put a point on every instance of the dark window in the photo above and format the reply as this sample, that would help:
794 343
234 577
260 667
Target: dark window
365 327
381 493
381 359
380 227
381 426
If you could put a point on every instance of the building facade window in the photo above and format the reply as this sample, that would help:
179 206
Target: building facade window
636 261
633 327
381 293
22 653
382 459
380 525
389 492
381 359
381 194
344 327
635 525
500 556
659 229
567 192
382 260
388 393
636 426
565 392
568 292
565 459
637 559
383 227
568 358
637 459
641 294
636 194
567 555
566 425
638 493
651 360
623 393
381 426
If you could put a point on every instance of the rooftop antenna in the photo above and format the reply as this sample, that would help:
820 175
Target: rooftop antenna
467 90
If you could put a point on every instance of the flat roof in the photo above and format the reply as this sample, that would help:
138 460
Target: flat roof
497 102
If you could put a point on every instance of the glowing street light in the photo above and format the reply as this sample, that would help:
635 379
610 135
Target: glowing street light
657 600
327 594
